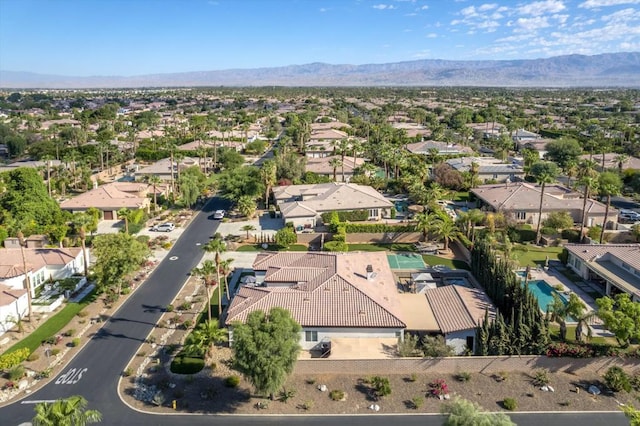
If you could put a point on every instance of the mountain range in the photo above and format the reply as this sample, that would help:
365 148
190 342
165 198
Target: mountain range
604 70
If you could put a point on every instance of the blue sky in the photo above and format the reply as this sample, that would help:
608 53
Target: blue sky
132 37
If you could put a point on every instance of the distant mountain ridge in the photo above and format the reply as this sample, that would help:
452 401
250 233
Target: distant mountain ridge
604 70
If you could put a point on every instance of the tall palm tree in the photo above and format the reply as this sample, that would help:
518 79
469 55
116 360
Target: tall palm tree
268 173
216 246
588 178
609 185
71 411
444 228
335 162
27 279
560 310
225 270
206 271
248 228
543 172
124 213
154 180
423 223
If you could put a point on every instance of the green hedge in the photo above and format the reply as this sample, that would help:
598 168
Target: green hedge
377 228
347 216
186 365
10 360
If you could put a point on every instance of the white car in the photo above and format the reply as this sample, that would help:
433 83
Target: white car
165 227
218 214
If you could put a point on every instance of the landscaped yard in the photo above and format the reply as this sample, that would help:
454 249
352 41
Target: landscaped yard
451 263
530 255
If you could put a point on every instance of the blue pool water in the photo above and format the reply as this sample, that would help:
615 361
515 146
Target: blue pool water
457 281
401 206
544 293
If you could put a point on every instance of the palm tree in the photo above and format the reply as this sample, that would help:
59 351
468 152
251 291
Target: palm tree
202 339
423 223
588 178
335 162
216 246
445 228
27 279
544 172
124 213
268 173
206 271
248 228
559 311
65 412
343 147
225 270
621 159
609 184
246 205
154 180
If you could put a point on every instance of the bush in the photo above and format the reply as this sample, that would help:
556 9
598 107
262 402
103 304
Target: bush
350 216
9 360
285 395
55 351
16 372
187 324
510 404
571 234
82 314
336 246
336 395
127 372
439 388
307 405
417 402
381 386
463 376
232 381
33 357
617 380
594 232
70 332
169 308
75 342
186 365
548 231
541 377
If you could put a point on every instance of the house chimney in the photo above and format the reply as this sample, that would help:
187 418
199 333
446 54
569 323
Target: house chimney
370 274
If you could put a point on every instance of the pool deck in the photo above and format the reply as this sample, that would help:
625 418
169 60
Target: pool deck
553 277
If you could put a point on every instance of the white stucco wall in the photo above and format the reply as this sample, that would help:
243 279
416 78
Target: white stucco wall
20 307
458 340
329 333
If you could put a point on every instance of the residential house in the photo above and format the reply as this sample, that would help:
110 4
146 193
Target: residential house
162 168
304 204
489 169
333 296
613 267
442 148
614 161
322 167
520 201
14 304
529 140
488 130
324 138
458 310
412 130
110 198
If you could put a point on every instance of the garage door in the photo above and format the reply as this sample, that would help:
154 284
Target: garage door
108 215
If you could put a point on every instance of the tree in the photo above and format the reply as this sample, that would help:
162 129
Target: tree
462 412
444 228
621 316
124 213
217 246
543 172
268 173
248 228
116 256
247 206
609 184
558 220
27 278
563 152
335 162
286 236
632 414
266 348
202 339
154 181
206 271
71 411
560 310
588 178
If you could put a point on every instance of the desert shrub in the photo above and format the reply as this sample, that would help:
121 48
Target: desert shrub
186 365
336 395
571 234
463 376
417 402
75 342
45 374
185 306
510 404
169 308
439 388
617 379
150 339
55 351
541 377
187 324
286 394
381 386
501 376
141 354
16 372
127 372
635 381
311 381
158 399
410 346
307 405
14 358
435 346
232 381
70 332
33 357
413 377
82 314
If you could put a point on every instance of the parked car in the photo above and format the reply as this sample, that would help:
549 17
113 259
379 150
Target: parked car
629 216
165 227
219 214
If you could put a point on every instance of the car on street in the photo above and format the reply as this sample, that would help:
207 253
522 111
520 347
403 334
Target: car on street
165 227
629 215
218 214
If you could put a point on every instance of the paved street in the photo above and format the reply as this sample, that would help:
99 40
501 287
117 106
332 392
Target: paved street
95 371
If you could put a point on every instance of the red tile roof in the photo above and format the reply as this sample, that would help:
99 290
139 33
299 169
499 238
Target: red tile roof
458 308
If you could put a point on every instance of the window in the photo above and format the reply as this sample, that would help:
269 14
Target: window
470 342
373 213
626 266
521 215
310 336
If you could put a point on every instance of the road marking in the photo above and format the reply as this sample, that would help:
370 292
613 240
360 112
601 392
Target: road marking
198 244
71 377
173 258
38 401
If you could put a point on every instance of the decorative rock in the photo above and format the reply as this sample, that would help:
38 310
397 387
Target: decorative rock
594 390
551 389
322 388
23 384
374 407
544 388
446 396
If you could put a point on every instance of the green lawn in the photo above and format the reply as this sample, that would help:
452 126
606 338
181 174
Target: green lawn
530 255
431 260
53 325
554 332
460 196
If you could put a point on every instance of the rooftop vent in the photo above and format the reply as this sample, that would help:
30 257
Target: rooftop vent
370 274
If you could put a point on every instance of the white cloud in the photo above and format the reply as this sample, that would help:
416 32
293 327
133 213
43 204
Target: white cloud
323 9
422 54
622 16
487 6
539 8
469 11
592 4
383 6
532 24
432 35
630 46
425 7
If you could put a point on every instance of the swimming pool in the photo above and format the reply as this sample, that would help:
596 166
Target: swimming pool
544 293
457 281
